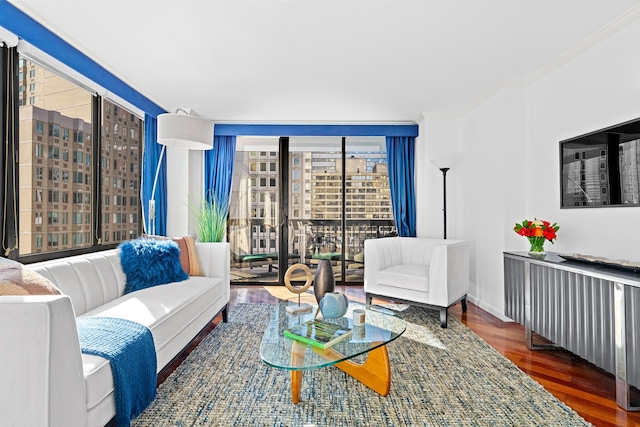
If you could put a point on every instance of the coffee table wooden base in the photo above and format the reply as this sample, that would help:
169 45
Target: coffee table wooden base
375 372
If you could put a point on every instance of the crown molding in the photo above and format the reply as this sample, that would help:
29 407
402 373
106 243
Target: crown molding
475 102
615 25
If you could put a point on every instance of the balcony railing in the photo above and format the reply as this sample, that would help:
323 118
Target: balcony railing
254 245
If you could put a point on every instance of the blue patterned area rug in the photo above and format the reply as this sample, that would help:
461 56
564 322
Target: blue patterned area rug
439 377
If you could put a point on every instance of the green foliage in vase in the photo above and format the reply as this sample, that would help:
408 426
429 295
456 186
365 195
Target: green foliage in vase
537 231
211 219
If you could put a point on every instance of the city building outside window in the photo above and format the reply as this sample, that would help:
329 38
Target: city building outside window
56 124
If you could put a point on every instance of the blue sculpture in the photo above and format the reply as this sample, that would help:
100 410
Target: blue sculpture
333 304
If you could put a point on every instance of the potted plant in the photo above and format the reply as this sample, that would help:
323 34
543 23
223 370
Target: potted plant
538 232
211 220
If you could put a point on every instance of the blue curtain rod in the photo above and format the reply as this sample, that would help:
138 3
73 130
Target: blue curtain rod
315 130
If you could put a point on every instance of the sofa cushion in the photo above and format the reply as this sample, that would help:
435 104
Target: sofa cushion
131 353
188 256
407 276
17 280
90 280
150 262
165 310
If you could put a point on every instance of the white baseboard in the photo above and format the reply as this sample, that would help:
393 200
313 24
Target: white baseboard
488 308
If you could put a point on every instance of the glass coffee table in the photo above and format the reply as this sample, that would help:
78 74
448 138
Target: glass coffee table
381 327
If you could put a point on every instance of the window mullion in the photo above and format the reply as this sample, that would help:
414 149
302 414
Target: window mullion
96 171
9 155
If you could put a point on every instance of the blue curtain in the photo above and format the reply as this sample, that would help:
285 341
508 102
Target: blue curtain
150 158
400 154
218 169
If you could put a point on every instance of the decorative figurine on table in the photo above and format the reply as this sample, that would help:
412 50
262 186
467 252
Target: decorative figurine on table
300 308
333 304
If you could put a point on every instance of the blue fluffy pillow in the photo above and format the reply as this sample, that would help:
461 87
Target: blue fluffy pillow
148 262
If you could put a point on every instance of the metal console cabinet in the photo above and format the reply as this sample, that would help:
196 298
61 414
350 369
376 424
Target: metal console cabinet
591 310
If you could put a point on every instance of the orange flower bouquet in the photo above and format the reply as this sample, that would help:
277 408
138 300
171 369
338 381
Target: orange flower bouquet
538 232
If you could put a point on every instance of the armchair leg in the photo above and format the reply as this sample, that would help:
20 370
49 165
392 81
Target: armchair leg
463 302
368 298
443 317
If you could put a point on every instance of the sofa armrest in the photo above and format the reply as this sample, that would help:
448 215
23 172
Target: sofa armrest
42 381
214 261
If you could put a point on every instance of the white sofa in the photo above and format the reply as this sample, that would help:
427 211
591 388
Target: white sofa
44 378
428 272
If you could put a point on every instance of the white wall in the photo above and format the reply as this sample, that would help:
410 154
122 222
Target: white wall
185 187
429 191
509 169
599 88
493 137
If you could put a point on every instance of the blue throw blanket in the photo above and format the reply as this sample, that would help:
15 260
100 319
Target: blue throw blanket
129 348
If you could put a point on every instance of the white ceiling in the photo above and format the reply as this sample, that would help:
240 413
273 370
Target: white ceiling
323 61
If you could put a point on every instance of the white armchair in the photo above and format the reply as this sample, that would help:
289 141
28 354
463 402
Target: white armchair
427 272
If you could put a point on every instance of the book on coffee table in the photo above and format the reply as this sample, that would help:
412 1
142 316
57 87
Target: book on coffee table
318 333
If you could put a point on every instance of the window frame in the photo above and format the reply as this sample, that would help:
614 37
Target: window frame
9 66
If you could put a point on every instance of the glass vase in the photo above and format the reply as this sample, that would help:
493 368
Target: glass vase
537 245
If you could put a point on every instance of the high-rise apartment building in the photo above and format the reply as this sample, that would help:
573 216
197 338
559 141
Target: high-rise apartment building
629 173
315 196
367 194
588 175
57 160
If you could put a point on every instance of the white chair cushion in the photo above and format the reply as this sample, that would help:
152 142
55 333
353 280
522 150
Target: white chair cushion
406 276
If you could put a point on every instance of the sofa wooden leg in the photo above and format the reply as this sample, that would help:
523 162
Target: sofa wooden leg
463 302
225 314
443 317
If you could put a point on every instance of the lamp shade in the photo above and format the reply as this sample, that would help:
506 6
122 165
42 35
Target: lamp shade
185 131
445 162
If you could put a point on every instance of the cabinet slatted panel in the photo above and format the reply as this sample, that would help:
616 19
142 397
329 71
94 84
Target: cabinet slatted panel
575 311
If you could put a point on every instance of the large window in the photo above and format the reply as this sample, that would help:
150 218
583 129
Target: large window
60 107
120 160
72 145
334 192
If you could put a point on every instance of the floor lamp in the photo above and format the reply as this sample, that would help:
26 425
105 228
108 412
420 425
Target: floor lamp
444 200
441 165
183 129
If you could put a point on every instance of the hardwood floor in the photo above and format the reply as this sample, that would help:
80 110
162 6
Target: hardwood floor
579 384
